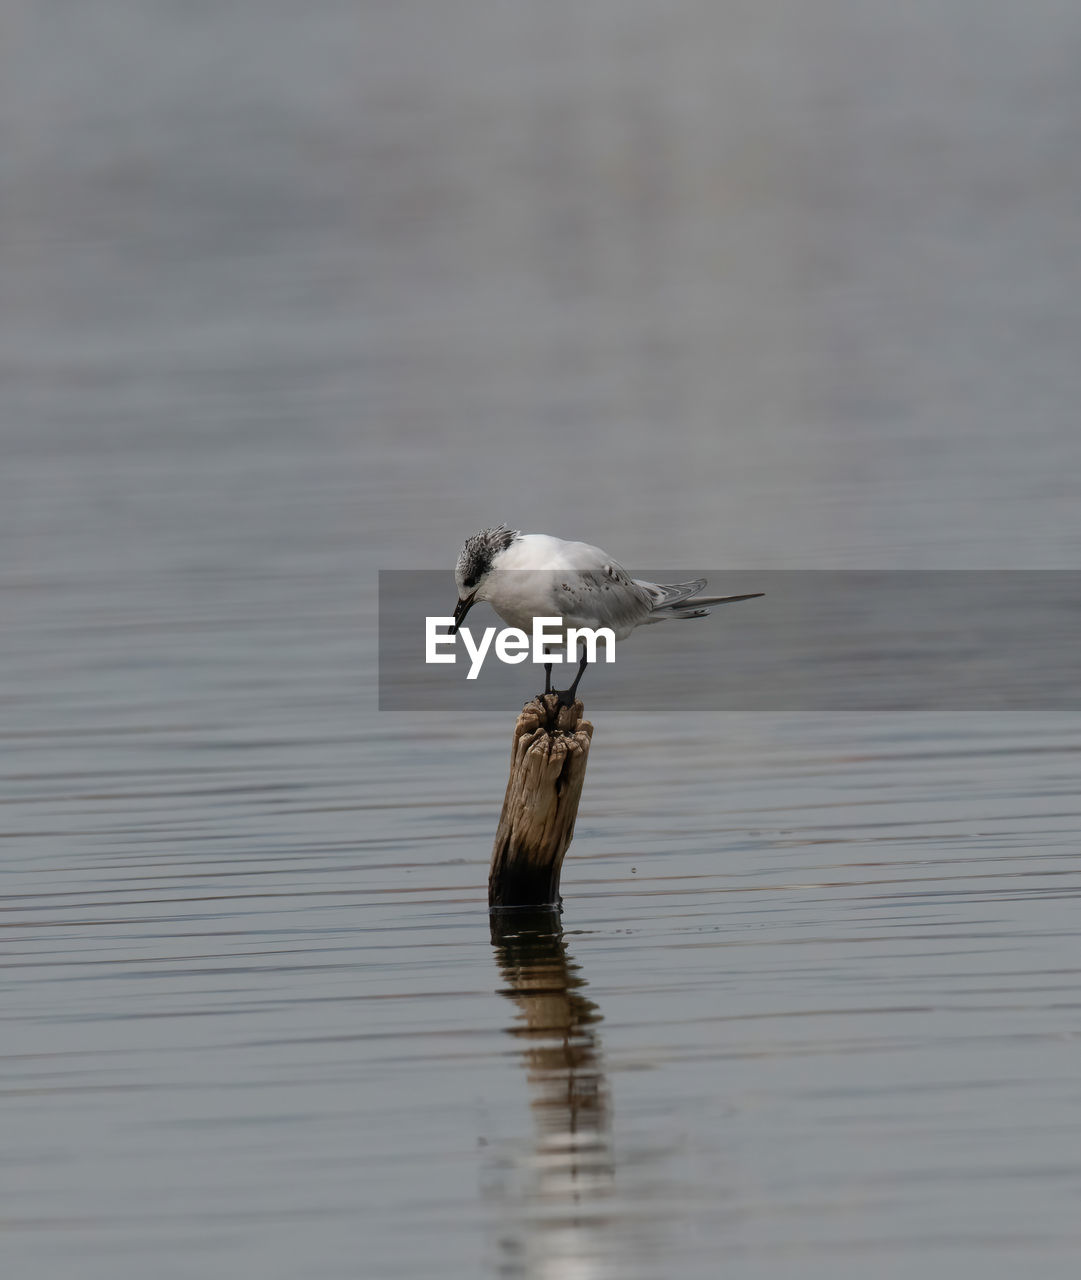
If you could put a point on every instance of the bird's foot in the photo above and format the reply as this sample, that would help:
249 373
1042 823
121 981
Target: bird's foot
552 705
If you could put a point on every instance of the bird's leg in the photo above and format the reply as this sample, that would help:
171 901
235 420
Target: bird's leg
547 678
566 696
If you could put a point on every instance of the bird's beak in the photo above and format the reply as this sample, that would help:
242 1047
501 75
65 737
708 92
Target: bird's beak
461 610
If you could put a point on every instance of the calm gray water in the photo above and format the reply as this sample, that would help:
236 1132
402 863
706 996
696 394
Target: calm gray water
291 294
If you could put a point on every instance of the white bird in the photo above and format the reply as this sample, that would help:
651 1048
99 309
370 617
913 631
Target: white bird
528 575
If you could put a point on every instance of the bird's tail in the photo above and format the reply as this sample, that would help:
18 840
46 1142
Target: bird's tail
681 599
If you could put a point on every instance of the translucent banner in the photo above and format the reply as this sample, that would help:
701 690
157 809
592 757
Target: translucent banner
817 640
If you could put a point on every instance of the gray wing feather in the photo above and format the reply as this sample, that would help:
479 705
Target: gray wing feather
625 602
611 594
680 599
665 595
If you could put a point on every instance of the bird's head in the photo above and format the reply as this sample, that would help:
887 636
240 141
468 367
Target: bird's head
473 571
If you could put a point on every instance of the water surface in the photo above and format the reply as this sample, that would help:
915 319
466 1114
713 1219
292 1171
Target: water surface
291 297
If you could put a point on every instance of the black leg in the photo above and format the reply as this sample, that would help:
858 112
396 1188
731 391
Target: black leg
547 677
566 696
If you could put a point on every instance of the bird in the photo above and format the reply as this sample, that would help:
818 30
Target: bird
528 575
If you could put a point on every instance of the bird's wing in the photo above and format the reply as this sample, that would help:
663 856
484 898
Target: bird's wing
666 594
681 599
604 597
699 601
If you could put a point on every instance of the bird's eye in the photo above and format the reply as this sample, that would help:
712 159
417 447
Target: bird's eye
470 582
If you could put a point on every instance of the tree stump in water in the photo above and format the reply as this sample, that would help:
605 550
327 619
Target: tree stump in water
547 769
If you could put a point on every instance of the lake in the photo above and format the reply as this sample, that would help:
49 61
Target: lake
295 296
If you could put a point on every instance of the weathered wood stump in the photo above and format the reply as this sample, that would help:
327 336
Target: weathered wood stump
547 769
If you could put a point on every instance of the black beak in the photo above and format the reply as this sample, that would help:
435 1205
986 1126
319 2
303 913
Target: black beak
460 611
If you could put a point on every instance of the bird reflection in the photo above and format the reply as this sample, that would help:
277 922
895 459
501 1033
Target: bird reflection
554 1210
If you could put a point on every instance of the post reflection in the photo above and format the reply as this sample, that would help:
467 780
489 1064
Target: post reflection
554 1196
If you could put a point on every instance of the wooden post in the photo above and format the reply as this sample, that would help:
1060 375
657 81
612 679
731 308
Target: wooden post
547 768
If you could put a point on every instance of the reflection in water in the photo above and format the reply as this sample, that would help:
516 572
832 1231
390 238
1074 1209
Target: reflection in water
555 1196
